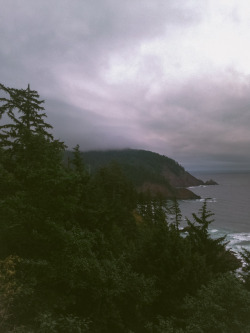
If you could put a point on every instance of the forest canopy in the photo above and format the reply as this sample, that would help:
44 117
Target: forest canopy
83 252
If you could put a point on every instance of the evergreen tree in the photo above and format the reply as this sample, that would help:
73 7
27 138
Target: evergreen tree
177 214
24 109
217 257
198 230
245 272
34 182
221 306
74 259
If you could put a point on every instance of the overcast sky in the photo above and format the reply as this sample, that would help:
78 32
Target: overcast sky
171 76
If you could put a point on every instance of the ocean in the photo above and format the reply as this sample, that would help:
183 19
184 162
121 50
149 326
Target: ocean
230 203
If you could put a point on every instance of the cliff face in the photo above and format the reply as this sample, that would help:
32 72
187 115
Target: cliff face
184 179
167 192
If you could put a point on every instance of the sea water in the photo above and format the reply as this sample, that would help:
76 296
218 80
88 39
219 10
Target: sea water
230 203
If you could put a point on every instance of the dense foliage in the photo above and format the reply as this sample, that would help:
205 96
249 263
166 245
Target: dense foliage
86 253
137 165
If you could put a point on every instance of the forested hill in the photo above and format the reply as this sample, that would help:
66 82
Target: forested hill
82 252
147 171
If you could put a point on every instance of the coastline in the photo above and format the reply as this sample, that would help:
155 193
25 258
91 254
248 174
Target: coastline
229 203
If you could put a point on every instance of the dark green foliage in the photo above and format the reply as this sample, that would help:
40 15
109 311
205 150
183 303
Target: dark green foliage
245 273
222 306
217 258
48 323
137 165
153 161
24 110
77 161
174 209
198 230
163 326
83 252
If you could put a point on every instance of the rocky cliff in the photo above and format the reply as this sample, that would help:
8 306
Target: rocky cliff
183 179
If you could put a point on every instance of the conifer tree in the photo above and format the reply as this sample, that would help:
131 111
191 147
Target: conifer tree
198 230
77 160
175 211
218 258
23 107
245 272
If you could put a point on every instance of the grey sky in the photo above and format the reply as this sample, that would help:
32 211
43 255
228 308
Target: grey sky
172 76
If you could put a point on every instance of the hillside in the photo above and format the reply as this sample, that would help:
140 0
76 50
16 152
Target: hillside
147 171
82 253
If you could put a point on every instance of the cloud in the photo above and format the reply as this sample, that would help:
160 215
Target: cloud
205 118
171 76
84 127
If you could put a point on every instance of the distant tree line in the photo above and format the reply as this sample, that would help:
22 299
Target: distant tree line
83 252
137 165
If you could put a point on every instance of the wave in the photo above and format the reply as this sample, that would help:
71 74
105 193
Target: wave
239 240
190 187
207 200
236 241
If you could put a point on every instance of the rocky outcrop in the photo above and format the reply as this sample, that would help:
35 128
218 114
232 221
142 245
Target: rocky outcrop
210 182
167 192
156 190
185 194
